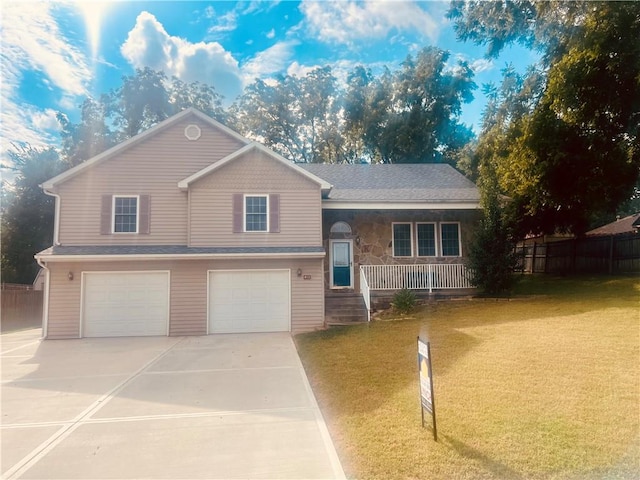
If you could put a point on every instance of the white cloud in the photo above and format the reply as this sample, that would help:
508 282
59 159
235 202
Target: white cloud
46 120
481 65
297 70
272 60
348 21
225 23
33 42
149 45
271 33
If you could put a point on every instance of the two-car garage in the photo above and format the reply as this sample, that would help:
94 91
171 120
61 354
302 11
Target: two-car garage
138 303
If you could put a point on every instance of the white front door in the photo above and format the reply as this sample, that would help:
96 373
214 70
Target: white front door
243 301
117 304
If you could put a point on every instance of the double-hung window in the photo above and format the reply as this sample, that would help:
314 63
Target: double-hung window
256 213
125 214
402 240
426 237
450 239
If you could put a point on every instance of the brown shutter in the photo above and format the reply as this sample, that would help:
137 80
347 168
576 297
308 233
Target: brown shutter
105 215
274 213
144 219
238 213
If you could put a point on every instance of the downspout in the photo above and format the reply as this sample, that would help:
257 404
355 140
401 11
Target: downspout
45 299
56 218
43 265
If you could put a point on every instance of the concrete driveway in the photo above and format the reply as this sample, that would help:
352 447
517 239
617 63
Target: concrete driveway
221 406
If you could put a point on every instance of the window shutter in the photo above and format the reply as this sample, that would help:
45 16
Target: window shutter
105 215
274 213
238 213
144 218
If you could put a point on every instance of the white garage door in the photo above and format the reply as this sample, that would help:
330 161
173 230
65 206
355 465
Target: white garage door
125 304
242 301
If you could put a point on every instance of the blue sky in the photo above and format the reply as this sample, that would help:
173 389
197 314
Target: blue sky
54 54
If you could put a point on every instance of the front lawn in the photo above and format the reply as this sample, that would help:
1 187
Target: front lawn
543 386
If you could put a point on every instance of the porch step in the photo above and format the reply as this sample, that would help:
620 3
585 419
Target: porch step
344 309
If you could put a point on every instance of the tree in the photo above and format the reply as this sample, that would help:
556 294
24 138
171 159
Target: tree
27 213
492 258
298 117
410 116
571 153
143 100
81 141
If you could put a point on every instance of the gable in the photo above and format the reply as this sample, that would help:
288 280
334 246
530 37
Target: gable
268 163
190 132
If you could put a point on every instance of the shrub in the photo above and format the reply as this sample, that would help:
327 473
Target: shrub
404 301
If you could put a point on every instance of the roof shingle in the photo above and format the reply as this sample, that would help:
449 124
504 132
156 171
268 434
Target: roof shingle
433 182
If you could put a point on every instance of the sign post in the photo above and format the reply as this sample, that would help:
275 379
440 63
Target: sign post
426 383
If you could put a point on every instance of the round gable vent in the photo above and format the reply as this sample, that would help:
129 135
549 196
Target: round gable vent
192 132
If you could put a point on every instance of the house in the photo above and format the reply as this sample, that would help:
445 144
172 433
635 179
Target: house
626 225
190 228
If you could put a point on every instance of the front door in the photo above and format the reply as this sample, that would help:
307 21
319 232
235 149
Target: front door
341 264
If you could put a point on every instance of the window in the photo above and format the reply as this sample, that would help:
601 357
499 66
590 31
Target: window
255 218
450 239
402 240
125 214
426 236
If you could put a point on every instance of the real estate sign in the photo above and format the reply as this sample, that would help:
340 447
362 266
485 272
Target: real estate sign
426 383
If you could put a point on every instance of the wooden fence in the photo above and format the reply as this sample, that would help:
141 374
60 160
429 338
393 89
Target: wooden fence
607 254
20 308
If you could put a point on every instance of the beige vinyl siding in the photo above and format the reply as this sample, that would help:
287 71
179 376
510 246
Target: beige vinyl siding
153 167
211 209
188 292
64 301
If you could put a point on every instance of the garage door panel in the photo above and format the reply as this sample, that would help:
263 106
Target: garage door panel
249 301
125 304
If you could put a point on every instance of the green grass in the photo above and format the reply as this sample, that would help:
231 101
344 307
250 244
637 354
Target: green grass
545 385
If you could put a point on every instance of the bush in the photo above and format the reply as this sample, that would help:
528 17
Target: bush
404 301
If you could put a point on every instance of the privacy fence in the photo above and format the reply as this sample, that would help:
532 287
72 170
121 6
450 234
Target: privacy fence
21 306
606 254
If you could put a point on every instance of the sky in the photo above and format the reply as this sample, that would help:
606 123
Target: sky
55 54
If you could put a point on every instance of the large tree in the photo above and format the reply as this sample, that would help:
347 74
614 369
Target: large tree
141 101
27 213
411 115
297 116
567 150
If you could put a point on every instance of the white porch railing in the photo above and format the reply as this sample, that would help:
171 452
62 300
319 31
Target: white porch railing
366 293
416 277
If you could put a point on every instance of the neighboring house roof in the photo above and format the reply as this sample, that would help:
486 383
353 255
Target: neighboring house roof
184 184
108 252
432 183
72 172
623 225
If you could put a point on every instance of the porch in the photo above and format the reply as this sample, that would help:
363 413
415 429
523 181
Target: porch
378 282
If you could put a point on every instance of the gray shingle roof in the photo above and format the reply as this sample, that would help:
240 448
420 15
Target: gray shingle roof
428 182
173 250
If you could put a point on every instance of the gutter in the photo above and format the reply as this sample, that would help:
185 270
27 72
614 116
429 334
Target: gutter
185 256
56 218
329 204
